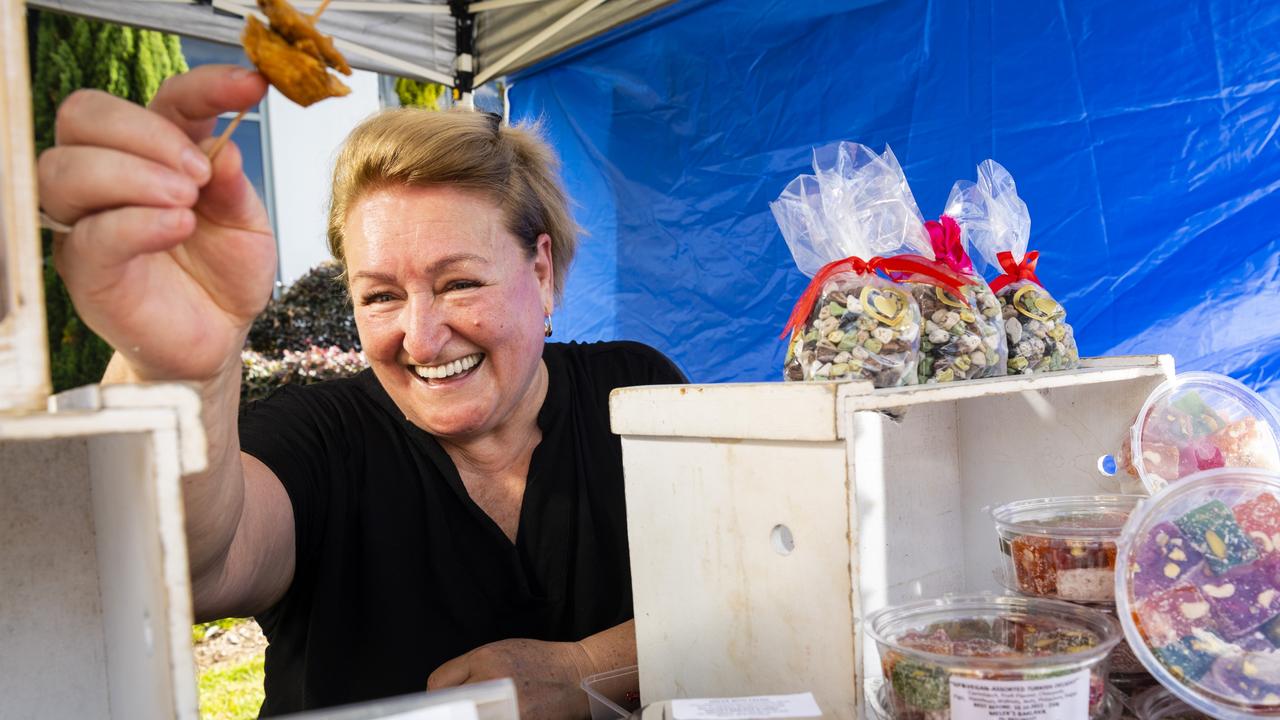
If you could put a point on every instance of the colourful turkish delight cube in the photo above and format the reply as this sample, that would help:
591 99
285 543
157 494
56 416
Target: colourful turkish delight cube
1168 615
1242 599
1247 443
1164 559
1034 565
1214 532
1260 520
1189 658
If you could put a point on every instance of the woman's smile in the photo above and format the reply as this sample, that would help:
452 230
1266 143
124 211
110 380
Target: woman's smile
449 373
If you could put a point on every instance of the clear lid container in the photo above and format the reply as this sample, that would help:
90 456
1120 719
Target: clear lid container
1035 657
1198 590
1200 421
1062 547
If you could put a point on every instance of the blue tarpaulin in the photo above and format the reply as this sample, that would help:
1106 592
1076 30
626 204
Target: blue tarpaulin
1142 135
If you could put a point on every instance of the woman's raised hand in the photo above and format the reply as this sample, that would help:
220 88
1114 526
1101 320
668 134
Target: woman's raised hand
169 259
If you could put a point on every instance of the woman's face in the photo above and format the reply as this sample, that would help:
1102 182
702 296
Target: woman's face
449 307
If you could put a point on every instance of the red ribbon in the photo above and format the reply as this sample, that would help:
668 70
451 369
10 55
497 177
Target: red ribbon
944 235
1015 271
921 269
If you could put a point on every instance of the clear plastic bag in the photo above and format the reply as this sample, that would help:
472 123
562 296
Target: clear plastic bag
995 222
851 227
963 338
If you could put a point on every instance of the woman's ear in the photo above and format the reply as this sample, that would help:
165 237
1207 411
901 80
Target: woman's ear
544 269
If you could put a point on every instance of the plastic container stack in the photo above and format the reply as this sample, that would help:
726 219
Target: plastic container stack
1064 548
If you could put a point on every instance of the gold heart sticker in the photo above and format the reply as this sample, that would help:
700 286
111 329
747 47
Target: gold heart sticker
1036 307
886 305
947 298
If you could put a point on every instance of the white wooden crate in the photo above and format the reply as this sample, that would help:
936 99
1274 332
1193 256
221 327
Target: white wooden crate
95 601
881 491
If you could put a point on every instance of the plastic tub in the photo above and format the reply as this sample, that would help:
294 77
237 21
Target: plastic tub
1200 421
945 658
1198 590
1064 547
613 695
878 702
1160 704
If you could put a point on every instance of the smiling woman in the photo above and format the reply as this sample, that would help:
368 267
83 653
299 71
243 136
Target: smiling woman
451 515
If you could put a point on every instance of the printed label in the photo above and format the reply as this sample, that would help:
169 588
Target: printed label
1065 697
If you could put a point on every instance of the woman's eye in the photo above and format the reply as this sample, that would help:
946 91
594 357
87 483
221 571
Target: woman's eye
461 285
374 298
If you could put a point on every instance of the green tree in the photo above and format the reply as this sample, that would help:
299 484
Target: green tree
73 53
414 93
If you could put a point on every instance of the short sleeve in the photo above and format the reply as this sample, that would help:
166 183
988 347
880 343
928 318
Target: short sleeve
644 365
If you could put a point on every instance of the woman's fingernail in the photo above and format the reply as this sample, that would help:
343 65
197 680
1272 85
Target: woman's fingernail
195 164
240 73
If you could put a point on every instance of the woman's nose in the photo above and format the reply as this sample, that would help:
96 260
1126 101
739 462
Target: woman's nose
425 332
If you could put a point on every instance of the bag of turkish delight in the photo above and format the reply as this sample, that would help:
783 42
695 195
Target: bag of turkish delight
963 337
848 227
996 225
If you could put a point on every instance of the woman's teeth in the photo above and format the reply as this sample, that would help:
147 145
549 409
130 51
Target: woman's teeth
440 372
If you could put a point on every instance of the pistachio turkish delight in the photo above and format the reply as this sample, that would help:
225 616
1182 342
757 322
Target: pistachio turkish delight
1202 587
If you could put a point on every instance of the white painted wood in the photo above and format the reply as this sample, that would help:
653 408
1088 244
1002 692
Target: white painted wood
701 516
885 490
24 359
95 607
755 411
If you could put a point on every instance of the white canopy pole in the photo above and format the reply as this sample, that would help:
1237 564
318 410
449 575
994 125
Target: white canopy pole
569 18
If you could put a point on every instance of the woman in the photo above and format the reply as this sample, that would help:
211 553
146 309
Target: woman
454 515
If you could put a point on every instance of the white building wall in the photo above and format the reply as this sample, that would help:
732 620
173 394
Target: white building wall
302 144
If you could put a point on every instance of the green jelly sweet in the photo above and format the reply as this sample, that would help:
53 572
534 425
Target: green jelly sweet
1213 531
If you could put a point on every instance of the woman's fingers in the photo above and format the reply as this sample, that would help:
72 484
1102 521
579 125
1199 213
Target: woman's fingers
79 180
108 239
455 672
193 100
96 118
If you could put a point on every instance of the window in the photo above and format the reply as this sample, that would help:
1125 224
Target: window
250 136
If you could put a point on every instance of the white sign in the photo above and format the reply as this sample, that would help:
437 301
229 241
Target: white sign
764 707
1065 697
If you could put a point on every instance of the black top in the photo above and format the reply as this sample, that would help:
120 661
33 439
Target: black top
399 571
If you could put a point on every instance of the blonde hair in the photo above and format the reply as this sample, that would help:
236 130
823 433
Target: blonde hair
513 166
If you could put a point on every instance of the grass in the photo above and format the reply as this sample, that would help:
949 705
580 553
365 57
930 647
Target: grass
233 691
198 631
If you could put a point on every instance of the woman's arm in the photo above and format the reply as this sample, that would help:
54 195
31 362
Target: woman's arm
169 259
